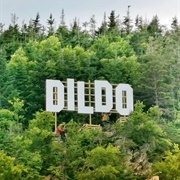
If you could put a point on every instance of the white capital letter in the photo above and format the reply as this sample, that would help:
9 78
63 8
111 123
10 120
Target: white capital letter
70 94
81 100
128 100
50 105
99 86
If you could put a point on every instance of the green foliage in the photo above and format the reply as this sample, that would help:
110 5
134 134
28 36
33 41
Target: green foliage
18 110
144 57
51 28
112 21
43 120
103 163
9 169
141 137
6 117
142 128
102 157
173 131
127 22
121 70
154 28
103 172
11 120
157 85
17 75
169 167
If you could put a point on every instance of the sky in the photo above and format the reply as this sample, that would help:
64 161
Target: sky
84 9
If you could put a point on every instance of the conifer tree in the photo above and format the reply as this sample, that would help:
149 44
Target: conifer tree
139 22
62 19
50 23
10 38
103 28
174 24
62 31
140 36
92 25
36 25
14 19
85 25
75 33
1 28
112 21
127 22
154 29
24 32
2 74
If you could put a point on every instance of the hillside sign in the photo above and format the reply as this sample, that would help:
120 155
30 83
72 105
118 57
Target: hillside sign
88 97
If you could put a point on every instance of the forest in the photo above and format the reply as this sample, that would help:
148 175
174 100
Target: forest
140 52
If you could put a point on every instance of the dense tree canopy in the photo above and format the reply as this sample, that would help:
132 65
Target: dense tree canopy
145 55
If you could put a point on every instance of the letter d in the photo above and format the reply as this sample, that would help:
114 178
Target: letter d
50 105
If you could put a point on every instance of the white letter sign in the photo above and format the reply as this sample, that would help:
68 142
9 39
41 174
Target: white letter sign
128 99
50 85
99 86
99 97
81 101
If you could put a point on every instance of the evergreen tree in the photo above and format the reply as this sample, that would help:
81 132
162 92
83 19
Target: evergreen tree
62 31
1 28
127 22
140 36
50 23
103 28
112 21
156 79
18 82
154 29
12 34
75 33
37 27
11 37
92 25
171 53
139 23
24 32
14 20
174 25
29 29
85 25
36 23
62 19
3 78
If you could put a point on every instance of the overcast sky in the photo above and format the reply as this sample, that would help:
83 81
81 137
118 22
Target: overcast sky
84 9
